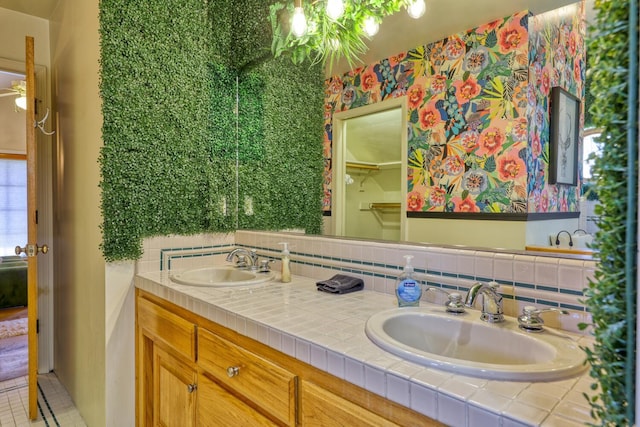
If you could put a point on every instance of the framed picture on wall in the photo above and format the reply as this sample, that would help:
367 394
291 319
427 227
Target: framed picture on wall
564 132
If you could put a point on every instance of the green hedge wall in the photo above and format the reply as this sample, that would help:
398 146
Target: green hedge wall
171 71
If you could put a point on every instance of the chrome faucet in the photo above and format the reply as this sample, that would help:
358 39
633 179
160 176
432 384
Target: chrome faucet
245 257
492 311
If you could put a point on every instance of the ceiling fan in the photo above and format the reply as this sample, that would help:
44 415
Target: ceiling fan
18 88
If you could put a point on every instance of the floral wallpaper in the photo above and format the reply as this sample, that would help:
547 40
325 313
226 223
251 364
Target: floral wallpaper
556 58
470 102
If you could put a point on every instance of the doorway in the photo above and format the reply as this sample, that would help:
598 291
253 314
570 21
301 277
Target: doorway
369 171
13 228
9 70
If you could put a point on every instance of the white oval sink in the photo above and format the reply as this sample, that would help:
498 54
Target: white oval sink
469 346
220 277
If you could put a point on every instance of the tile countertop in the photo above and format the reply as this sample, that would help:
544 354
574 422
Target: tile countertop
327 331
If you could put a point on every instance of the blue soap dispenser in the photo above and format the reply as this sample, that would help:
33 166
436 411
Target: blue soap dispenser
408 289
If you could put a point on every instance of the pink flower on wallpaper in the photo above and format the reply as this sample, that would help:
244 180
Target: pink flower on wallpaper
519 129
438 83
415 201
466 205
536 147
369 80
512 36
328 112
545 81
335 85
487 28
453 165
511 167
415 96
544 201
577 70
429 116
573 43
396 59
437 196
455 48
469 140
467 90
490 141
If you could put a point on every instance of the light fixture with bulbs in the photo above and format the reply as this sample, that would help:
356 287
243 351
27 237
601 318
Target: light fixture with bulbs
21 102
19 89
370 26
299 21
416 9
335 9
325 30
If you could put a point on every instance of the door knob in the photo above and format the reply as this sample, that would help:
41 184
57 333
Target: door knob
32 250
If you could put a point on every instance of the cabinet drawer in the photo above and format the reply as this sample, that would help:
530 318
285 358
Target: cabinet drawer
255 380
171 329
321 408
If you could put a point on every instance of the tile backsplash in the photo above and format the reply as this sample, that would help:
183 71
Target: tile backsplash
543 281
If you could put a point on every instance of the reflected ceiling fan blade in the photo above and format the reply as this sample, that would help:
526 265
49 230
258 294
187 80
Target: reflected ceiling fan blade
10 93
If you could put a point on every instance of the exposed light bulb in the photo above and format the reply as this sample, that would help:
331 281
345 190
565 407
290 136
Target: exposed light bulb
416 9
299 22
335 9
370 26
21 102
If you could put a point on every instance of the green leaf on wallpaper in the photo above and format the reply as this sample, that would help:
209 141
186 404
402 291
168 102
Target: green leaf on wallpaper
491 40
490 164
413 117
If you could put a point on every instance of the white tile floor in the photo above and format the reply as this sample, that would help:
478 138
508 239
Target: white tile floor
55 407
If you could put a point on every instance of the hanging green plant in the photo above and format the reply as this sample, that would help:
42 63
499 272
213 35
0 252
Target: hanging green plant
611 296
326 38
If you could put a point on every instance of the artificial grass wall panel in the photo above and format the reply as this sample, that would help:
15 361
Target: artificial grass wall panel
172 131
286 185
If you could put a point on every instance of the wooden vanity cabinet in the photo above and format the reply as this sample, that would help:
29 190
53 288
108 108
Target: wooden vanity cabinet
165 367
193 372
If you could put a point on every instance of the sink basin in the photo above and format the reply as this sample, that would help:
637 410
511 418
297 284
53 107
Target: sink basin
220 277
467 345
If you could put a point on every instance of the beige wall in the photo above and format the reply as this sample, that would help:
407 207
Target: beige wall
80 349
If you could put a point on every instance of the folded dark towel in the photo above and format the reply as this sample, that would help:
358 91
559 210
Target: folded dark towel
340 284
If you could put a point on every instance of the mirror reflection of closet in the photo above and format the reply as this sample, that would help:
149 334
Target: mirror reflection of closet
369 176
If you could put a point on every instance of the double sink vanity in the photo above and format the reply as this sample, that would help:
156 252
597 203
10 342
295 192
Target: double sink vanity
220 345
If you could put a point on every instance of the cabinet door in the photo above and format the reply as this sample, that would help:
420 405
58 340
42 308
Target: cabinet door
174 391
218 408
322 408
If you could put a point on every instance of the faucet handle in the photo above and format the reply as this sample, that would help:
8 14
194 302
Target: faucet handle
530 319
241 261
264 265
454 305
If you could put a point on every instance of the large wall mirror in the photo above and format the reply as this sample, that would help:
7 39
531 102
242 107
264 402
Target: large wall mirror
369 166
